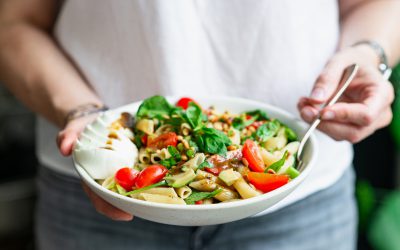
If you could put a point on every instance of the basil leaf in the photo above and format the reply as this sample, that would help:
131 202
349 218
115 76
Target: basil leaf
278 164
154 107
198 196
173 160
261 115
290 134
161 183
205 164
240 123
211 140
267 130
194 115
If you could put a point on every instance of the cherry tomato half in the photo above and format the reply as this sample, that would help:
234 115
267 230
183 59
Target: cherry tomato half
184 102
267 182
150 175
126 178
252 154
163 141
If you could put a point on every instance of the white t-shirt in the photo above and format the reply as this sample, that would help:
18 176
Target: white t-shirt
271 51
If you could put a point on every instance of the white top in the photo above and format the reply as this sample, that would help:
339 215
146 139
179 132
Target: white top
271 51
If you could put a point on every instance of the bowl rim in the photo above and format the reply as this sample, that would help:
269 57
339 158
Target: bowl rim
237 203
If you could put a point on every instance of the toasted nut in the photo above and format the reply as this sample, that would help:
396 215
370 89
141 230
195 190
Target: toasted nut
184 158
185 144
218 125
179 138
271 171
231 147
245 162
252 129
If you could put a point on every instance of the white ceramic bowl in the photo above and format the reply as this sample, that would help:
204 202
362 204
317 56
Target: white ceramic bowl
199 215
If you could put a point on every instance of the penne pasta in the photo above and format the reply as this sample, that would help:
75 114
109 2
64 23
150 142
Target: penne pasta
195 161
226 195
146 126
204 185
183 192
244 189
144 156
161 198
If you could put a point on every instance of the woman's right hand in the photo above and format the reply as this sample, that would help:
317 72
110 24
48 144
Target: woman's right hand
65 140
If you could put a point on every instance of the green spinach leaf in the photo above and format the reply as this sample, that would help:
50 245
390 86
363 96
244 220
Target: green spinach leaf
154 107
278 164
267 130
198 196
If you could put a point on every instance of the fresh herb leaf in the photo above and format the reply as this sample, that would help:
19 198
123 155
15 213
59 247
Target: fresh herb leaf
241 122
261 115
211 140
161 183
267 130
154 107
278 164
205 164
197 196
173 160
290 134
194 115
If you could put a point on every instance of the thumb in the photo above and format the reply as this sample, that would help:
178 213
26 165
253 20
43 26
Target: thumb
66 140
328 81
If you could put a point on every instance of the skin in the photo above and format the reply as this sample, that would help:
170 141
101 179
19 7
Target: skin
52 86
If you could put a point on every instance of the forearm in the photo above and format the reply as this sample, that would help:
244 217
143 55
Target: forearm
39 74
375 20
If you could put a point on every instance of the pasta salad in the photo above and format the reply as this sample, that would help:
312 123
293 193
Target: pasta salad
193 155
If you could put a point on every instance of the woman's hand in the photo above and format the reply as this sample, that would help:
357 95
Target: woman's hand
65 141
363 108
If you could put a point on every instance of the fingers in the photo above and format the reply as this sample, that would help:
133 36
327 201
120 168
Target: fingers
105 208
352 132
66 140
353 113
328 81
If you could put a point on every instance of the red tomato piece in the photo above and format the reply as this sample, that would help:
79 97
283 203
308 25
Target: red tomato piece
214 171
144 139
256 124
267 182
184 102
163 141
252 154
150 175
126 178
198 202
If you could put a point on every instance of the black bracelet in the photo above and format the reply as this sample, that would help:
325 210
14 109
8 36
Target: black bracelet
383 66
84 110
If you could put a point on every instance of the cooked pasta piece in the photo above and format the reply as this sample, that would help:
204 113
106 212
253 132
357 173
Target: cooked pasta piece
185 129
244 189
234 136
164 154
226 195
166 191
183 192
146 126
270 158
144 156
208 201
155 158
164 129
162 199
109 182
200 175
291 147
275 143
204 185
195 161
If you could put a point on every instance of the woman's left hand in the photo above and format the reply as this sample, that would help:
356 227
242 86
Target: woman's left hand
363 108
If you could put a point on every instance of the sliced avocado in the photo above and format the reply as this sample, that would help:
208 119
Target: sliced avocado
180 180
228 176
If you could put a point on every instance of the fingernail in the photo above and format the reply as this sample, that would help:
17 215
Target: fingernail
317 94
308 113
328 115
